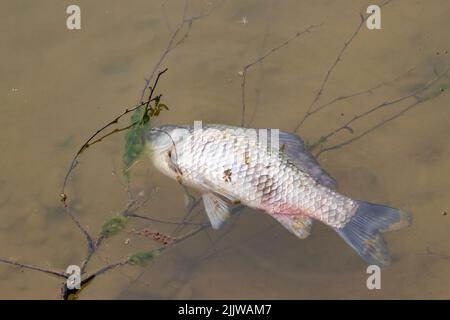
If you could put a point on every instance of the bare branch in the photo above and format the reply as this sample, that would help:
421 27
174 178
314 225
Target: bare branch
88 142
77 222
359 93
53 272
270 52
328 74
160 249
171 44
144 217
347 124
332 67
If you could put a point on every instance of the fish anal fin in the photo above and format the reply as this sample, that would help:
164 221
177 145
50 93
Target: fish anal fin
299 225
217 209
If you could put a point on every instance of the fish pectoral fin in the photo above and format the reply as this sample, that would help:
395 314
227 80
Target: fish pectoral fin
218 192
297 224
294 148
217 209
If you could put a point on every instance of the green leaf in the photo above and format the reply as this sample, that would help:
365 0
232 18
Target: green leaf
134 140
113 226
135 136
145 118
157 100
143 257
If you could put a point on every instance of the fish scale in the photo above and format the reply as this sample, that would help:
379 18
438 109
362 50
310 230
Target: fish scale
225 162
268 181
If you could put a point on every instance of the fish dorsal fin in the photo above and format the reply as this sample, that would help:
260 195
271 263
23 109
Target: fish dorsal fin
217 209
294 148
299 225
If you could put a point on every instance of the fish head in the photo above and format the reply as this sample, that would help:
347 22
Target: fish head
164 138
161 144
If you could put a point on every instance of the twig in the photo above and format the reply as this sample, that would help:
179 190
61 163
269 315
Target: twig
246 241
85 145
81 228
88 143
260 78
329 72
164 14
187 215
332 67
377 107
171 45
96 137
160 249
136 215
100 237
60 274
359 93
270 52
110 267
441 255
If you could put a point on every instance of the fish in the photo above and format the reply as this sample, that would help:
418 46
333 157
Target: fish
271 171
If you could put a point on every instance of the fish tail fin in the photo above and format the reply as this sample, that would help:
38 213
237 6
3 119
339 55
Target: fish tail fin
363 231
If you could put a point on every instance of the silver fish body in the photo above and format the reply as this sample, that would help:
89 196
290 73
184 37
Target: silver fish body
231 165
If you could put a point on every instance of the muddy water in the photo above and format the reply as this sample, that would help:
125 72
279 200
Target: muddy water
57 86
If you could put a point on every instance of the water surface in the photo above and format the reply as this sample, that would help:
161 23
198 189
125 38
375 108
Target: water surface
58 86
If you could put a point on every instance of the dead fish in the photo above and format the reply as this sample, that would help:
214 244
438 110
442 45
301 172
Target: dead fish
231 165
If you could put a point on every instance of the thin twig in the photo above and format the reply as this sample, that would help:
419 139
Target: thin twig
77 222
260 79
332 67
328 74
160 249
188 214
383 122
88 142
359 93
171 44
260 59
101 237
54 272
438 254
144 217
85 145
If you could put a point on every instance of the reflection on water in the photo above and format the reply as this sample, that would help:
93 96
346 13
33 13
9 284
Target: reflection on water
59 85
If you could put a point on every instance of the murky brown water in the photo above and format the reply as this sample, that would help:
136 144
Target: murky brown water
57 86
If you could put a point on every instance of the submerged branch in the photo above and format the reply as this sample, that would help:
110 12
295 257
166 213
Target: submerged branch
330 70
160 249
53 272
143 217
260 59
347 124
171 44
91 140
359 93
